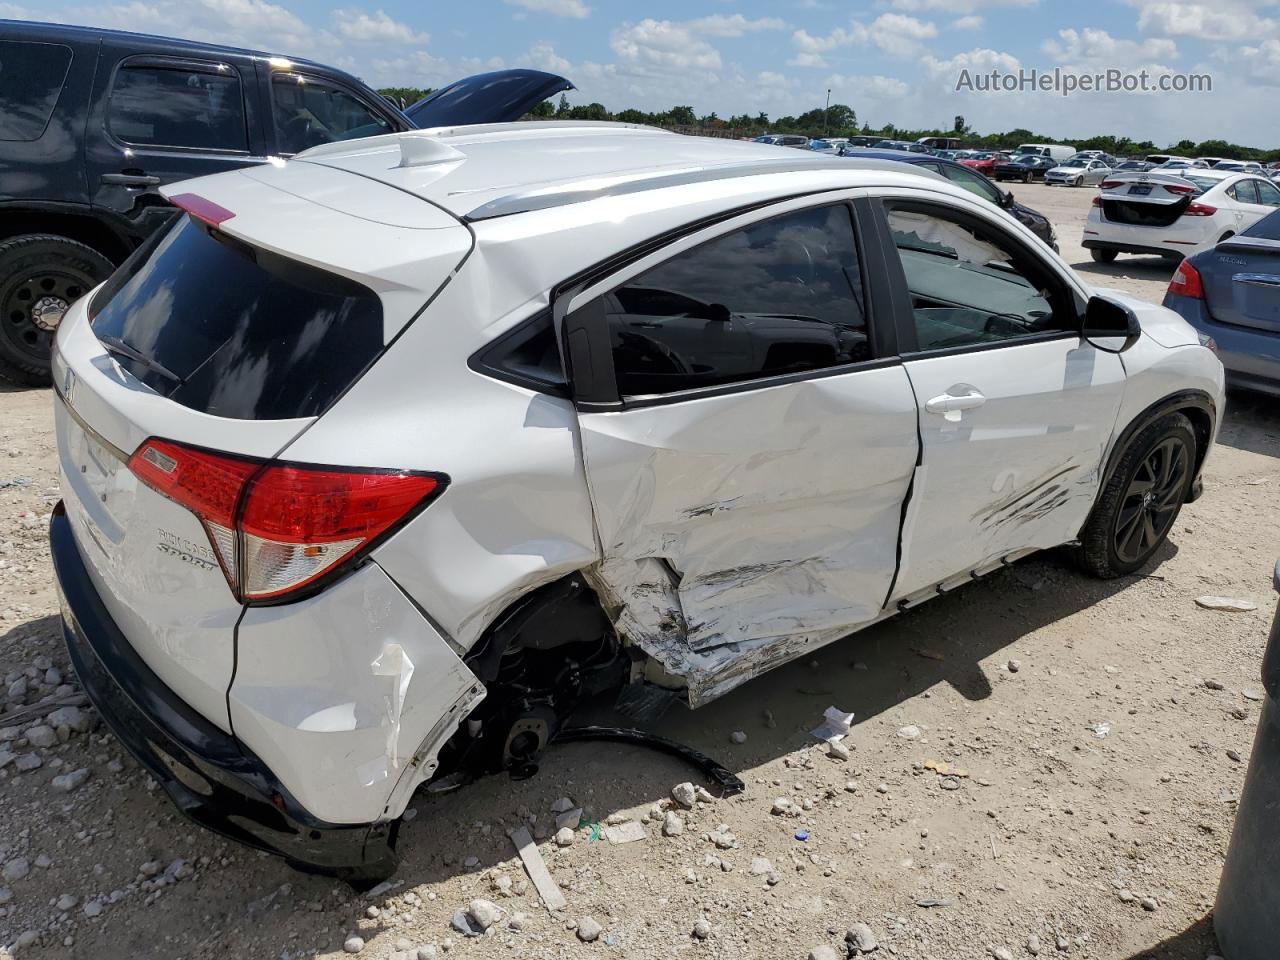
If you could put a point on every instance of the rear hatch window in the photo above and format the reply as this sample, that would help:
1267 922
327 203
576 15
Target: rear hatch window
235 331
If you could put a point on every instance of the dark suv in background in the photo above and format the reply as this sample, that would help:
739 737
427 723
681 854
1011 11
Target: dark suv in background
93 121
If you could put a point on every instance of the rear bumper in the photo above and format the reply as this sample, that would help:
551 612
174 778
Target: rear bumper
1118 247
210 776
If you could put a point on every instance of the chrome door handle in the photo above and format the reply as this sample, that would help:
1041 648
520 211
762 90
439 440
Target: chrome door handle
129 180
951 405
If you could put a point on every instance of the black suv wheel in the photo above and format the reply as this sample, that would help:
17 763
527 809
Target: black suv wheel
1141 500
40 277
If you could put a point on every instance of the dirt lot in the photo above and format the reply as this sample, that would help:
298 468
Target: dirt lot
1100 773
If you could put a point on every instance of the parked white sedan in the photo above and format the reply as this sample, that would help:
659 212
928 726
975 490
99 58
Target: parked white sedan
382 458
1174 214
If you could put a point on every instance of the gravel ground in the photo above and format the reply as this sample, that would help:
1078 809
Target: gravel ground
1093 733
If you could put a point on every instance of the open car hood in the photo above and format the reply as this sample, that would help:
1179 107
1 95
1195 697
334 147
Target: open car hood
498 97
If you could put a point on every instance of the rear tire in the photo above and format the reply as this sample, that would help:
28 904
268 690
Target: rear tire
40 277
1026 177
1103 256
1141 499
1227 236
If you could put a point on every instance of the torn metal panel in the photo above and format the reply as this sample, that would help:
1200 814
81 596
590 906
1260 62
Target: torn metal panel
738 530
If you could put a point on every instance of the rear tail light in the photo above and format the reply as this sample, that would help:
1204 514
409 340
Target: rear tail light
279 528
1179 188
1097 200
1186 282
1199 210
1111 184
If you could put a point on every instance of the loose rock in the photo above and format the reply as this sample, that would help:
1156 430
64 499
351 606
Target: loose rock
1226 604
67 782
701 928
909 732
860 939
485 913
683 794
588 930
353 944
564 837
823 953
672 825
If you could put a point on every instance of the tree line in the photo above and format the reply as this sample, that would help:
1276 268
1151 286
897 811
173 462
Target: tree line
840 120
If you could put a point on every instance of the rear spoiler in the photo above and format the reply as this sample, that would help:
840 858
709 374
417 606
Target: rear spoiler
1250 244
206 211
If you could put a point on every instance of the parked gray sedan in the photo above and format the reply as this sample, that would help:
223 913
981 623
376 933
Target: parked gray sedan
1077 171
1231 295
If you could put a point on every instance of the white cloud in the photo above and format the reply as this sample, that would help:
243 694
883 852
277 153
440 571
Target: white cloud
1223 20
899 35
575 9
663 45
873 87
376 27
958 6
807 60
733 25
967 23
542 56
1097 48
1262 62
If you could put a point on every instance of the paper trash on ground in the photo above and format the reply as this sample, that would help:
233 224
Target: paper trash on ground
835 725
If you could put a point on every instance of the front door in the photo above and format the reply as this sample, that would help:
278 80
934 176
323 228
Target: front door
1016 410
747 448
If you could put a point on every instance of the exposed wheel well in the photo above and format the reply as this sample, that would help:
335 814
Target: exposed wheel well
92 233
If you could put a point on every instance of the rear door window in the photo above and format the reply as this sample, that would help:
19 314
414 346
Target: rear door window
309 112
1268 193
233 331
778 297
198 107
31 79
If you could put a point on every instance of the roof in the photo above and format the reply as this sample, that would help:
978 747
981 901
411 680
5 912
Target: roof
485 171
14 28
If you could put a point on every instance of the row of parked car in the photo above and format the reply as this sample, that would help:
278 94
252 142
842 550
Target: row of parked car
95 122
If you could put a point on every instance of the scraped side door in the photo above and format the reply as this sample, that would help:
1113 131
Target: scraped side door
1016 409
743 513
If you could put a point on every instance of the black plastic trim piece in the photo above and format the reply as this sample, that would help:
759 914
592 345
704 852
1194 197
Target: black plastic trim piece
210 776
490 359
730 785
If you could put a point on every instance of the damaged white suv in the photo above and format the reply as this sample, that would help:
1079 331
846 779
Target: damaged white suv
380 459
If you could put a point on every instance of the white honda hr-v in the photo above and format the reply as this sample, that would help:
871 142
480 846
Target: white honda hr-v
379 460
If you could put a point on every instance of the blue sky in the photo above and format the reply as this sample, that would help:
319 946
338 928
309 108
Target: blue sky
891 60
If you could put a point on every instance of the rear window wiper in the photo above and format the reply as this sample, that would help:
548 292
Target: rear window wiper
116 345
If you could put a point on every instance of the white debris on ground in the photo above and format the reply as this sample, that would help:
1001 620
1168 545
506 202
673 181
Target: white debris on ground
1058 842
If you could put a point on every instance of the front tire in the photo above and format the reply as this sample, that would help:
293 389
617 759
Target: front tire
1103 256
1141 499
1078 182
40 277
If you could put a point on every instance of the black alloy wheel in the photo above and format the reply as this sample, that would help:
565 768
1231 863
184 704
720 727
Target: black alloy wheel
1151 502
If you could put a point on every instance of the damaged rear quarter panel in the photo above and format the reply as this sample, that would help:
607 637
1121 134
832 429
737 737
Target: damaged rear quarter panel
737 527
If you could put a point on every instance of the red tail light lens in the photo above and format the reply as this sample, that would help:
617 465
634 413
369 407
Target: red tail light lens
278 528
1199 210
1186 282
1179 188
1111 184
1097 200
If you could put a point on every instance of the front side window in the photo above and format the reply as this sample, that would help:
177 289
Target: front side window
309 112
31 78
967 286
178 107
778 297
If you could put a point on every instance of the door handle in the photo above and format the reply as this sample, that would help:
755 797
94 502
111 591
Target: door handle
952 405
130 180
